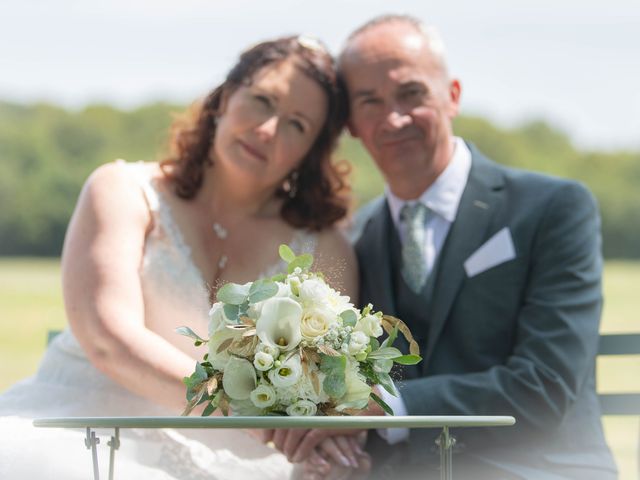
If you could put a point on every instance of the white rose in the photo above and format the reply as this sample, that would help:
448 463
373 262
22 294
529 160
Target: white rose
302 408
313 291
263 361
358 342
263 396
316 322
370 325
287 373
239 378
279 323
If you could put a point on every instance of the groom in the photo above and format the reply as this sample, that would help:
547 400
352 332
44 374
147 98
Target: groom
496 272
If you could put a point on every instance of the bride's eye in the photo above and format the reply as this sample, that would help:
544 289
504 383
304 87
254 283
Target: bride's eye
297 124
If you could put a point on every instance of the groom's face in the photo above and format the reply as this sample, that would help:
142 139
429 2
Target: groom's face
401 100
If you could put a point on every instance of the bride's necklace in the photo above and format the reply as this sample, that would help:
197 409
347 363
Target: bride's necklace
221 232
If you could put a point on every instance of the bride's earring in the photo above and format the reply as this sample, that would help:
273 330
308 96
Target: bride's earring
290 185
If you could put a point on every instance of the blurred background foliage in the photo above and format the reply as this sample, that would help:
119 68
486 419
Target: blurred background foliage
47 152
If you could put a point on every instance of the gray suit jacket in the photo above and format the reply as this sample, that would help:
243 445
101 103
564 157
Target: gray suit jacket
517 339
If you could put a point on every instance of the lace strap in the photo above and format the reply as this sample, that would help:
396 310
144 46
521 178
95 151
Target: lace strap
142 176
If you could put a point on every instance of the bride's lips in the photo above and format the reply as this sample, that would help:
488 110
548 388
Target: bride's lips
253 151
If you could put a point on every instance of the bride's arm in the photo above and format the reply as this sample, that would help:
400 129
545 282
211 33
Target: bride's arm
102 292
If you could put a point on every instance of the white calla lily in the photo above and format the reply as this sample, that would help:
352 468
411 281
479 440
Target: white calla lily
279 323
239 378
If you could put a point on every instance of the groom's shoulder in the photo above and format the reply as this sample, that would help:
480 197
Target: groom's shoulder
531 184
363 216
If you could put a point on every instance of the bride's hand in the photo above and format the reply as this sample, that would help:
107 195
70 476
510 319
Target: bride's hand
330 459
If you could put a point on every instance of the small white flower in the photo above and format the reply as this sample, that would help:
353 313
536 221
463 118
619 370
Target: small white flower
271 350
287 373
263 361
263 396
279 323
239 378
358 342
302 408
371 325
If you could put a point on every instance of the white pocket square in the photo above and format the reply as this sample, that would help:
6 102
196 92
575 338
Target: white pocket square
498 249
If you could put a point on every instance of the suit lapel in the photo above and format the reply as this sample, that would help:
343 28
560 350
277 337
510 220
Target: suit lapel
478 204
374 256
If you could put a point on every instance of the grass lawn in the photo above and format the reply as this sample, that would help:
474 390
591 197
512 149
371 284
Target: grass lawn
31 304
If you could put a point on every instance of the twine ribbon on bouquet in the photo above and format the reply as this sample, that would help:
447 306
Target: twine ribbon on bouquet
389 323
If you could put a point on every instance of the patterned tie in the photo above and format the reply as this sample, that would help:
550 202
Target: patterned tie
414 257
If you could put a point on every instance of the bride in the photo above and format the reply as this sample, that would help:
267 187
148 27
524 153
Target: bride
147 247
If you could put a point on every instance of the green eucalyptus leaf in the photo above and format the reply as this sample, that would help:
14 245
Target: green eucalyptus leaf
233 293
261 290
382 403
334 385
385 353
231 312
286 253
303 261
349 318
187 332
330 364
408 359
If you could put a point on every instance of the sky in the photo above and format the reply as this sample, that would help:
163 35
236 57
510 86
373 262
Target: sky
572 63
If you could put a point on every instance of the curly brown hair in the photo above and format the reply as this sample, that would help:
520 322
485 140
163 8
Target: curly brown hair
322 188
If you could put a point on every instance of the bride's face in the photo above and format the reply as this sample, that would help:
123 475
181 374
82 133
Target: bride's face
267 127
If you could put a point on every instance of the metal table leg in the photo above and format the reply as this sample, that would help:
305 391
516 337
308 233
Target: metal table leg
445 444
92 441
114 445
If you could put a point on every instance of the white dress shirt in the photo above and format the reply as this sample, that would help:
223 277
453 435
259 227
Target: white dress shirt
442 198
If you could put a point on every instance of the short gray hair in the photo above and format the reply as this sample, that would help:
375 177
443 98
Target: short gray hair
429 32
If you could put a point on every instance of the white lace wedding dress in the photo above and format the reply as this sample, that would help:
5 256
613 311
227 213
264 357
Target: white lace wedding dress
67 384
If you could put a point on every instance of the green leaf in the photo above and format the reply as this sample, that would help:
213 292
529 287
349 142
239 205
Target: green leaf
388 353
334 384
374 343
231 312
280 277
208 410
304 261
349 318
382 403
286 253
408 359
261 290
187 332
330 364
391 338
386 383
382 365
233 293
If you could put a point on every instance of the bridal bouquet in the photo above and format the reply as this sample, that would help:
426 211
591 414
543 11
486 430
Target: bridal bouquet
292 345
